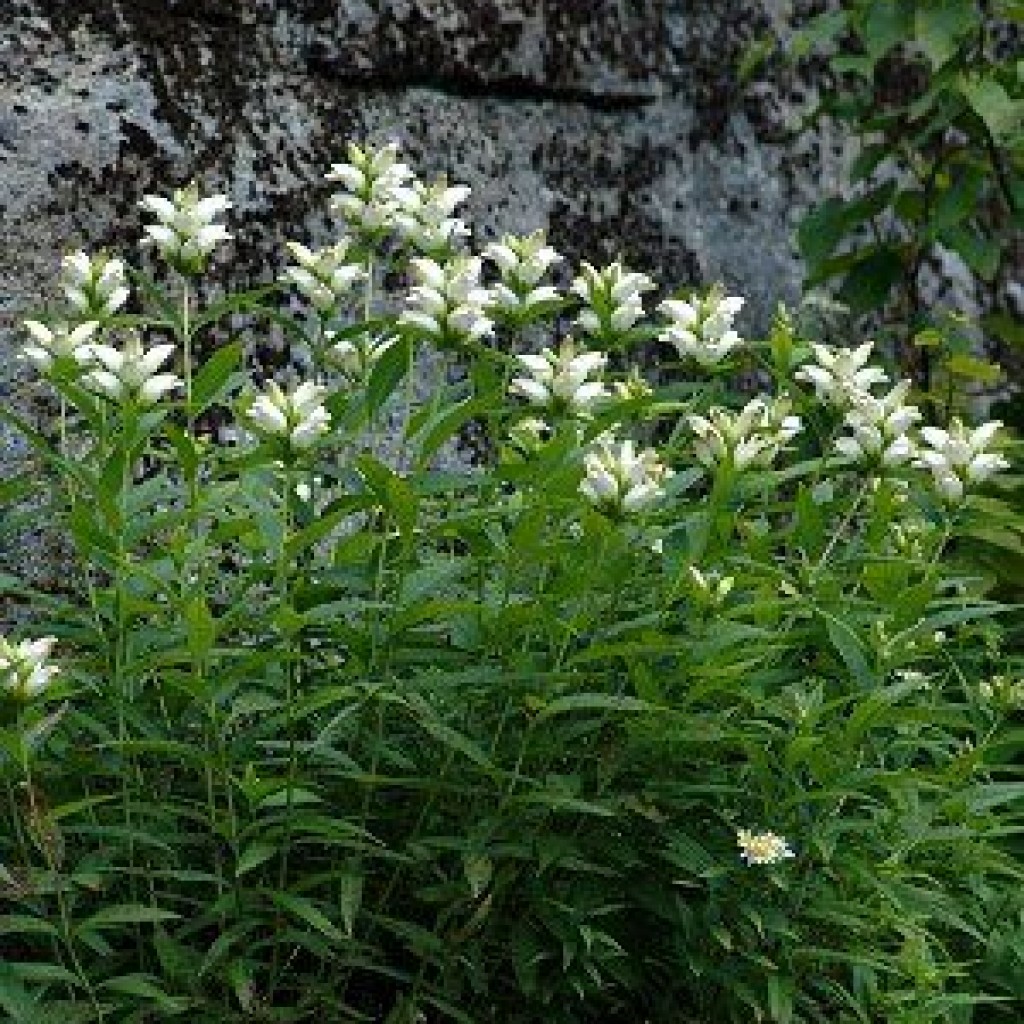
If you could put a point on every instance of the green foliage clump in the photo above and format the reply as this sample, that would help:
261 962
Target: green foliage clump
672 708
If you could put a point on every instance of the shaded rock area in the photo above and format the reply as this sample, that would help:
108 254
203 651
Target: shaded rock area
618 124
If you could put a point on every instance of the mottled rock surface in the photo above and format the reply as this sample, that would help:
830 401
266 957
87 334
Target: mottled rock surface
618 124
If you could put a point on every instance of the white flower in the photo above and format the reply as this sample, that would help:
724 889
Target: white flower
186 231
712 587
356 358
878 428
957 458
612 297
24 668
425 215
763 847
323 276
633 388
132 372
751 437
842 376
298 416
94 286
560 380
59 342
448 302
1003 692
701 329
370 179
522 262
621 479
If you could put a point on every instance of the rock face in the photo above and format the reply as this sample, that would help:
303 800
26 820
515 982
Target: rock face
618 124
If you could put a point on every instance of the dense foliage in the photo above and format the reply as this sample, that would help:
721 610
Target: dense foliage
709 730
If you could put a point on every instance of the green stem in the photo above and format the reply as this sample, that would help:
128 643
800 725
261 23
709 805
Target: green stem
67 932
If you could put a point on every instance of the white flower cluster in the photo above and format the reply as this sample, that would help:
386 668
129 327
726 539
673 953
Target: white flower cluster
448 302
752 437
132 372
370 179
621 479
613 298
1003 692
59 343
522 262
879 428
299 416
96 287
957 459
702 328
355 358
763 847
25 669
425 215
560 381
842 377
323 276
186 231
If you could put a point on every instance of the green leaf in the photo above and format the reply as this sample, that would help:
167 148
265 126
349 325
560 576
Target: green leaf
386 374
146 987
981 254
20 924
308 913
126 913
594 702
351 899
212 380
202 628
820 231
868 283
884 25
821 30
941 25
1003 115
253 856
850 649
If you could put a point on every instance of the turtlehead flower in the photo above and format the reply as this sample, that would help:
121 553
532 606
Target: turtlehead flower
357 357
701 329
878 428
25 671
522 262
299 416
621 479
560 380
842 377
763 847
1003 692
633 388
711 587
186 231
59 342
612 296
370 179
957 458
132 373
752 437
96 287
322 276
447 301
425 217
